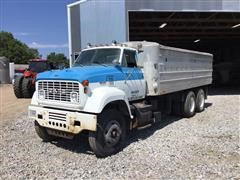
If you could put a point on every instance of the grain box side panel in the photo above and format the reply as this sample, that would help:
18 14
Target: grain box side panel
181 70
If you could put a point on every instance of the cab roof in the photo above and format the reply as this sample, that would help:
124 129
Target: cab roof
117 46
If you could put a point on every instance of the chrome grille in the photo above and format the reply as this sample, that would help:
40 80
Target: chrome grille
57 116
58 90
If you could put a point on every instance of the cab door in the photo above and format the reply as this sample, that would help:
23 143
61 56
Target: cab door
134 83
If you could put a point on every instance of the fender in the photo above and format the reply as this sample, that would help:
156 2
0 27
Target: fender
34 99
102 96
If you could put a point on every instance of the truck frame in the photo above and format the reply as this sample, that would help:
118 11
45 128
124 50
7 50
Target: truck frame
112 89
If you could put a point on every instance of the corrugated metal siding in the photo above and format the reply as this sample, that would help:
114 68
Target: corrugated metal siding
101 21
180 5
231 5
104 21
4 71
75 29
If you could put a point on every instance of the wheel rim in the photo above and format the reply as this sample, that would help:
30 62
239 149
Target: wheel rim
112 133
201 101
192 105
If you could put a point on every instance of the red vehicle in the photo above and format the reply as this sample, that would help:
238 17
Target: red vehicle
24 86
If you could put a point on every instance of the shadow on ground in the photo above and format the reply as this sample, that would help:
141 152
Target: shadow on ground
80 142
224 90
144 133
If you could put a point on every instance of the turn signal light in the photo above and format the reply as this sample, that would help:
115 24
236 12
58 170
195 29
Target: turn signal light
85 83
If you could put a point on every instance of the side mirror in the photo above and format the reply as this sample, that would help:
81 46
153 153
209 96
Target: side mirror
115 62
140 51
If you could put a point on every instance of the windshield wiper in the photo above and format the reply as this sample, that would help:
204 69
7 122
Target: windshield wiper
96 62
78 64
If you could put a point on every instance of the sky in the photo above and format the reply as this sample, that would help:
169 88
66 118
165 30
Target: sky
41 24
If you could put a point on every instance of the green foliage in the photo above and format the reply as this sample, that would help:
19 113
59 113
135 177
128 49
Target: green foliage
15 50
58 59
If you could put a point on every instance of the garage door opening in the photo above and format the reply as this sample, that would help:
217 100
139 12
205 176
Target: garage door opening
214 32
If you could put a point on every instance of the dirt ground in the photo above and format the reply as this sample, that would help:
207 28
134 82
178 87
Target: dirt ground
11 107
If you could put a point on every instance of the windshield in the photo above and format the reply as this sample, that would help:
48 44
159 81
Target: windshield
98 56
38 66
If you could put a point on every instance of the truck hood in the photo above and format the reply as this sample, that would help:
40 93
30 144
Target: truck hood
90 73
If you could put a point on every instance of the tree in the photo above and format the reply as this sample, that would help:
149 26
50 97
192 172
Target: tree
15 50
58 59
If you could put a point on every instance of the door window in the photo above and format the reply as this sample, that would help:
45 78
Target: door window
129 58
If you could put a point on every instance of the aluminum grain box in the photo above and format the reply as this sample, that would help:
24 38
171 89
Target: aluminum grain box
167 69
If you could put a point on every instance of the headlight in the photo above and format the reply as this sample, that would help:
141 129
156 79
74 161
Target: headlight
74 97
32 113
41 94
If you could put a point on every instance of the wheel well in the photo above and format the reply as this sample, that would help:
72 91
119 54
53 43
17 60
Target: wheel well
119 105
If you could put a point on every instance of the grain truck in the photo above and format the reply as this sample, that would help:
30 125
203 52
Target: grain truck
113 89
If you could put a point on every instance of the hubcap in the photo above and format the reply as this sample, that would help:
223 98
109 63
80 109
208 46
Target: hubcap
192 105
201 101
112 133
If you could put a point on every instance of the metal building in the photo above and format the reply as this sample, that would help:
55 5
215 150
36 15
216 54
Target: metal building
4 70
205 25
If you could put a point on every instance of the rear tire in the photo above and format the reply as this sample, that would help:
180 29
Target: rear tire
189 105
42 133
200 100
110 135
27 88
17 86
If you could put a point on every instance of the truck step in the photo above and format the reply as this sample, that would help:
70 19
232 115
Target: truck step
143 113
143 107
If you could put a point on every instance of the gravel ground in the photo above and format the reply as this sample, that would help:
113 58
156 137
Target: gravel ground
206 146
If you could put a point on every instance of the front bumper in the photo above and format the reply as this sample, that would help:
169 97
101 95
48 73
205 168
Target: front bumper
71 122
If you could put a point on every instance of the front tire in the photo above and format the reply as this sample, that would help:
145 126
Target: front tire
189 105
42 133
17 86
110 135
27 87
200 100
